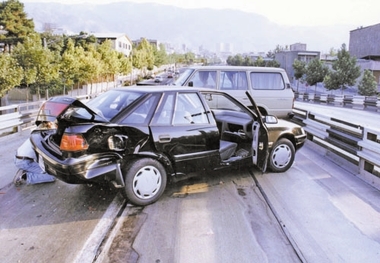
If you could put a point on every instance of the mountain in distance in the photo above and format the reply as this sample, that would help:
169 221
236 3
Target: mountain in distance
247 32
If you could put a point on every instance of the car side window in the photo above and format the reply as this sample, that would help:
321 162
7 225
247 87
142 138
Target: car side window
233 80
165 112
267 81
204 78
189 110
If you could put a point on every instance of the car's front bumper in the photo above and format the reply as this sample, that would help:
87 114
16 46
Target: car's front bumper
300 140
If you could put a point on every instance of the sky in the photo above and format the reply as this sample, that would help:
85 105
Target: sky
283 12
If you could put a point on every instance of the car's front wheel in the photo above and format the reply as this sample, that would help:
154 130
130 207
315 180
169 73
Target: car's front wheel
145 181
282 156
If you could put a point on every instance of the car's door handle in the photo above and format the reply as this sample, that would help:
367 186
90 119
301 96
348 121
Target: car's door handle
164 138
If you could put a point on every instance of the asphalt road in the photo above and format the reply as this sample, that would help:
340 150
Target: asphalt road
318 211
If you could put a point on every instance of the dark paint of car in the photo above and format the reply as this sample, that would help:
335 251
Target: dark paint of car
138 138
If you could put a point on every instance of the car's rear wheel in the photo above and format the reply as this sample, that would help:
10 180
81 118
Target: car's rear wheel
282 156
145 181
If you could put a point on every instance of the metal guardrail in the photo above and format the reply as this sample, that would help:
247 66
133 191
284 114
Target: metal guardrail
359 102
356 144
18 117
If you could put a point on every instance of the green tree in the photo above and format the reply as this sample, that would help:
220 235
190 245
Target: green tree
90 64
259 62
54 43
10 74
367 85
143 56
315 72
299 67
68 65
189 58
272 53
125 64
37 62
84 40
109 57
236 60
160 56
344 71
272 63
247 61
14 20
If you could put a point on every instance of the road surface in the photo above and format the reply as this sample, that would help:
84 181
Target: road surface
318 211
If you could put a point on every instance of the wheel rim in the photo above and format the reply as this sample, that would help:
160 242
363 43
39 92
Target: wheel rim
281 156
147 182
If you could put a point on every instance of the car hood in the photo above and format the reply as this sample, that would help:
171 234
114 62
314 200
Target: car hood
286 126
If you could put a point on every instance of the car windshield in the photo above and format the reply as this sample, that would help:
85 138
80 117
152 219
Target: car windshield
109 104
183 77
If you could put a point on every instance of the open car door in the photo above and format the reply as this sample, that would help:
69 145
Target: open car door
260 139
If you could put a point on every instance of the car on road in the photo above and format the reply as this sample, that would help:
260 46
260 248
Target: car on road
138 138
158 79
268 85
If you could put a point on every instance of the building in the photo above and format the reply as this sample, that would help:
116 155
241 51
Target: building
120 42
365 46
297 51
364 42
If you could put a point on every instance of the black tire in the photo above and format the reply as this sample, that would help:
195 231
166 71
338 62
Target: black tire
282 155
145 181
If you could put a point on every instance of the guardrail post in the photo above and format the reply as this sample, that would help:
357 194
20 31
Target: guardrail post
369 155
348 100
330 98
370 102
317 98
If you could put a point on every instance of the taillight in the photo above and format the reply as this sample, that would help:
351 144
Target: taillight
73 143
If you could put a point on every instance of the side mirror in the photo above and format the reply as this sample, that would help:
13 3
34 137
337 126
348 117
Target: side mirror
270 119
191 84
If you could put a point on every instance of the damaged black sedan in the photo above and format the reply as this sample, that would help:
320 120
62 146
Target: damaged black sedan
138 138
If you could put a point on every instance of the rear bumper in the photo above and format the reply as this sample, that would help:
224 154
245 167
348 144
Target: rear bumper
97 167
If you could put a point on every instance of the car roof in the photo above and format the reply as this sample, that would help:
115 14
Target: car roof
225 67
159 88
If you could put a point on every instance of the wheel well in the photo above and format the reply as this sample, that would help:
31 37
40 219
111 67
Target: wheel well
162 158
290 138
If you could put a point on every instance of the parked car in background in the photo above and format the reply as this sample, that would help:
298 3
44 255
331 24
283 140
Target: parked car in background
158 79
270 87
138 138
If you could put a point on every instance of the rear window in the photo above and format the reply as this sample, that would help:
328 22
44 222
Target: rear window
110 103
267 81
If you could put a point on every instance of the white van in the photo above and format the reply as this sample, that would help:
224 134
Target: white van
270 87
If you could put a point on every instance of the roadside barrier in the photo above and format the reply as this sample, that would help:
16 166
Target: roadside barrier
18 117
356 144
371 103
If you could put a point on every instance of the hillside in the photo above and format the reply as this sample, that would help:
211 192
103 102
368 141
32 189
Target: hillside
248 32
